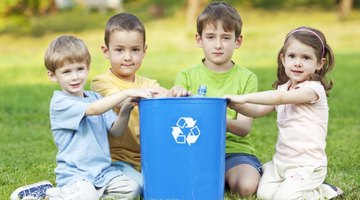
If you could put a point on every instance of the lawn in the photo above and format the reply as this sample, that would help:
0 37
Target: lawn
27 150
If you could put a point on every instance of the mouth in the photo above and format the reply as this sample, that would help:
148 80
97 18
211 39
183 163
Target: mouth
127 65
297 71
217 53
75 85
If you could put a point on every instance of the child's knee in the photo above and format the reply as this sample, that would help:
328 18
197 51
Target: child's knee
124 187
135 189
80 190
243 188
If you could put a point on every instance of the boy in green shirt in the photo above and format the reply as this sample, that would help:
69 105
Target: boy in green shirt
219 34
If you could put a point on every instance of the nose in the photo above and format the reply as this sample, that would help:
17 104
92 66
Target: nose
127 55
297 62
74 75
218 43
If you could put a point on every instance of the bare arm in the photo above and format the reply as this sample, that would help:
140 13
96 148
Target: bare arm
122 121
240 126
106 103
261 103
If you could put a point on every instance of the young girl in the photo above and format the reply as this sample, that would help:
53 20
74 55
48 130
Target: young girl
298 168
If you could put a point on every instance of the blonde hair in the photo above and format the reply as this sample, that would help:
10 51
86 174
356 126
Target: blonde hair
66 49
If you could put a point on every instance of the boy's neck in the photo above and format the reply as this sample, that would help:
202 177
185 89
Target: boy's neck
218 68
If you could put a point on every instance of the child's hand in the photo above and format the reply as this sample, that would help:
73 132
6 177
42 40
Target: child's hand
178 91
159 92
140 93
129 104
235 99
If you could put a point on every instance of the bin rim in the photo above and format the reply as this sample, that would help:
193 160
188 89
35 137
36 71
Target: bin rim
184 98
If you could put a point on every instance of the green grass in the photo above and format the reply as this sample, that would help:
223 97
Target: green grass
27 150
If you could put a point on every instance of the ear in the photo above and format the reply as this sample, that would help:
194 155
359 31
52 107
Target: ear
282 58
198 40
321 64
238 41
52 76
105 51
145 48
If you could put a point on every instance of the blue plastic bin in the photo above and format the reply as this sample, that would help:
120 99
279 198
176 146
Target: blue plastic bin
183 147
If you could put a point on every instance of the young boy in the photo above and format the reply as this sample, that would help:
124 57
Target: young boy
125 47
80 122
219 34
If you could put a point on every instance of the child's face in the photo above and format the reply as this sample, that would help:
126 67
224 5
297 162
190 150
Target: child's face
71 78
300 61
218 46
126 52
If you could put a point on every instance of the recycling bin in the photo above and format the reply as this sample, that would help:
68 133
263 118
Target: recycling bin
183 147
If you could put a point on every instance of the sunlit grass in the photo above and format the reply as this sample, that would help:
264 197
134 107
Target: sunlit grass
27 151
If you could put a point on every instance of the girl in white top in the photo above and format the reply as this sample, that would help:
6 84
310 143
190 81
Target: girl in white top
299 166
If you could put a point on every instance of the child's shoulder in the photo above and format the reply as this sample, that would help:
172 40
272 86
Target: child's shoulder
315 85
243 70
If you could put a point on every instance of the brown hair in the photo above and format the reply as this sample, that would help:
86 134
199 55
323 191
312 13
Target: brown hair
316 40
123 21
66 49
223 12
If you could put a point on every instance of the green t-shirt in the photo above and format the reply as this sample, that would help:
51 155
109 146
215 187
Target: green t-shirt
237 80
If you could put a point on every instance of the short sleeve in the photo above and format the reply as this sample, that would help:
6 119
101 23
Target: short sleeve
109 119
318 89
251 85
180 80
66 113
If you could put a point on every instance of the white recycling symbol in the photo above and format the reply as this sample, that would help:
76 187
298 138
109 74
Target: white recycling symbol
185 131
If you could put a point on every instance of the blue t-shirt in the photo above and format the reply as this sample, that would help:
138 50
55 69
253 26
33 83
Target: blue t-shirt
82 141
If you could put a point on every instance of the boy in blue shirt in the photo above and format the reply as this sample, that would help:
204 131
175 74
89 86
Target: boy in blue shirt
80 121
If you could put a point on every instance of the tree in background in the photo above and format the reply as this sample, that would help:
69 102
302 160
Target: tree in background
345 7
26 7
193 8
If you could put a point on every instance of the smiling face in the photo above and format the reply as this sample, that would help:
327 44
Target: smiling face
71 78
218 46
126 51
299 61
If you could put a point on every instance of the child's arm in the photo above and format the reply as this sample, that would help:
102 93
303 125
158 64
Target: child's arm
122 121
106 103
240 126
261 103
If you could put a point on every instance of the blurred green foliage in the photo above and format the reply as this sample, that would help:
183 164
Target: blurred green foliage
37 17
25 7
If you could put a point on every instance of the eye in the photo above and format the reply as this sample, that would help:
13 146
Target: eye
66 72
119 49
227 37
307 57
291 55
81 68
210 37
136 49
